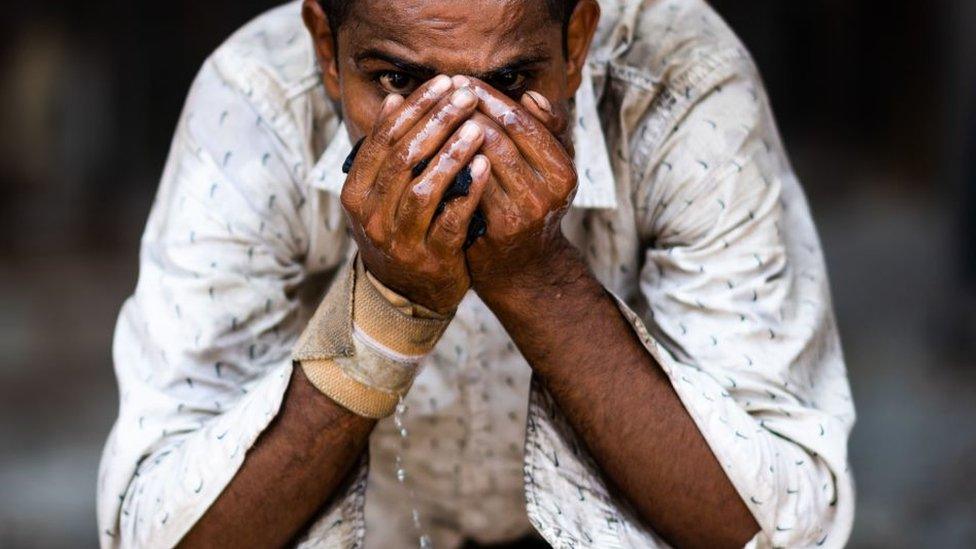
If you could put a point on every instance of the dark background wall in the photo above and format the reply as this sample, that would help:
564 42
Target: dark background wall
877 103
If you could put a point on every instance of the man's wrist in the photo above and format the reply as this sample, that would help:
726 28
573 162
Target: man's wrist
362 399
363 350
386 318
558 271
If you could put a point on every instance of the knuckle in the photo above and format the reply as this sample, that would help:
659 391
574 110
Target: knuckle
442 116
430 269
510 163
451 222
374 232
513 119
399 160
458 150
565 174
385 134
419 194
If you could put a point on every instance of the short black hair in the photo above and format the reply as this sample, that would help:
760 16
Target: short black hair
338 10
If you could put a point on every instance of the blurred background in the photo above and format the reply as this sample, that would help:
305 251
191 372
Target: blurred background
877 103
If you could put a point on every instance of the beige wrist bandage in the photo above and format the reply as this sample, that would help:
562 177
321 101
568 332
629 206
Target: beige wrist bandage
363 346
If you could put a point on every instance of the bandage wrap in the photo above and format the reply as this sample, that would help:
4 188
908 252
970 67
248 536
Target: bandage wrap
364 344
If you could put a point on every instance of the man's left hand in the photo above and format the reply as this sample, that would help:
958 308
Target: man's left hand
533 183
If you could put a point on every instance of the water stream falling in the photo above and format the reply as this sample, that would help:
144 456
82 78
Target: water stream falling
401 475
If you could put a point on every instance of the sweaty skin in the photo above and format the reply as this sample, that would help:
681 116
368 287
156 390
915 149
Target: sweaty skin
536 182
392 212
563 321
460 187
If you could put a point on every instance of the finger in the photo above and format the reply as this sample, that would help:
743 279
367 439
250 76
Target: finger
539 146
390 104
429 134
514 175
538 106
449 230
412 110
411 155
420 202
393 127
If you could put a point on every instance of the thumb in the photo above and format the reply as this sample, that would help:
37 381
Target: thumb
556 122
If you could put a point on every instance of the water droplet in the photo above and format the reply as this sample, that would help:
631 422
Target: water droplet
401 472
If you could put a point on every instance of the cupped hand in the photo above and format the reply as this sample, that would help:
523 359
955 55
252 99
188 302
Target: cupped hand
533 181
400 173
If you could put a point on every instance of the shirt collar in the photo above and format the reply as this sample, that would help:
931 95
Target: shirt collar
596 188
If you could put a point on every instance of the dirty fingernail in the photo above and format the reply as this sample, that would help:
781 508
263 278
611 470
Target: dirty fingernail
460 81
479 166
463 98
470 131
540 100
389 104
441 84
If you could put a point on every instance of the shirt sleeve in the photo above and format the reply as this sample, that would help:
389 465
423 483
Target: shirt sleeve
736 309
202 348
734 306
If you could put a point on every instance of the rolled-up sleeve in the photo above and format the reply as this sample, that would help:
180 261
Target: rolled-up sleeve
739 315
734 305
202 348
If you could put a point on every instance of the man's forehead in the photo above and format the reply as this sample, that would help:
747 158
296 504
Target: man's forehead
442 33
453 15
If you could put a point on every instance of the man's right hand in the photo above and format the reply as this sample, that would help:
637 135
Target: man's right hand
392 207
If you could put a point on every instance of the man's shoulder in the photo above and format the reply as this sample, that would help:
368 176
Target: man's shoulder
678 44
267 72
272 54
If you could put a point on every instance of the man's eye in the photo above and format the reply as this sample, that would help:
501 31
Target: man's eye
509 81
396 82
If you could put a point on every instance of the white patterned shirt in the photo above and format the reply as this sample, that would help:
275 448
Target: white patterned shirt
687 211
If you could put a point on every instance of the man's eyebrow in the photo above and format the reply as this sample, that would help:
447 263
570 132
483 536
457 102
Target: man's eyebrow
402 64
429 72
512 66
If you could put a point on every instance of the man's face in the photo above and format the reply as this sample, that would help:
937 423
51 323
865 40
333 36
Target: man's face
392 46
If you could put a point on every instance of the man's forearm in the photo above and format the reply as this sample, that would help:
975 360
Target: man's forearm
621 404
293 469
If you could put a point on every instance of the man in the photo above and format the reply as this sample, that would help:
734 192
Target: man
647 260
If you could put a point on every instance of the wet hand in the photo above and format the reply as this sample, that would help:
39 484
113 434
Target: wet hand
394 187
533 181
